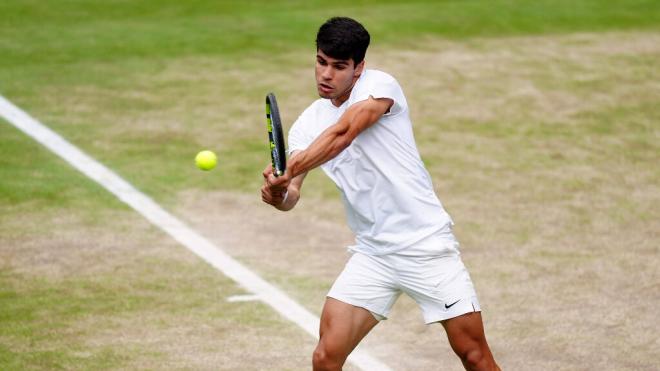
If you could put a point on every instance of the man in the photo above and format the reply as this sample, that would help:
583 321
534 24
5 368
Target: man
360 134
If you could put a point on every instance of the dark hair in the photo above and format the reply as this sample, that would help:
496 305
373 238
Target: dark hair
343 38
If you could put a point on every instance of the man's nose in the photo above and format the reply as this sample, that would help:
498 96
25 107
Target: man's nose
327 73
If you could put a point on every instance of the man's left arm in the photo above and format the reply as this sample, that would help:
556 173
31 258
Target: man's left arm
357 118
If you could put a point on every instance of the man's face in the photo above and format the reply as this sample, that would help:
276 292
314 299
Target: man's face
335 77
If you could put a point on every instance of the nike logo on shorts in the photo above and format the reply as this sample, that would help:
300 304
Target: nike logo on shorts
452 304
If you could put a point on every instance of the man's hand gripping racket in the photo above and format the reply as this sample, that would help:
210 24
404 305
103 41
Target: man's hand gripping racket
277 153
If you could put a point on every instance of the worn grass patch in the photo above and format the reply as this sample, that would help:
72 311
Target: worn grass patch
543 150
540 133
85 285
112 292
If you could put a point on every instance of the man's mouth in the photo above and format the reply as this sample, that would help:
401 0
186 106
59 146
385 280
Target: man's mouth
325 88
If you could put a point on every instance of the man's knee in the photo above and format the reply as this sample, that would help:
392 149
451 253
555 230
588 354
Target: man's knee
476 357
323 360
472 357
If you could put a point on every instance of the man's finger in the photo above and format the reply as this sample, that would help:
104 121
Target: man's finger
268 170
280 182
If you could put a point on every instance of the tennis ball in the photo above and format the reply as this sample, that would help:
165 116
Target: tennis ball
206 160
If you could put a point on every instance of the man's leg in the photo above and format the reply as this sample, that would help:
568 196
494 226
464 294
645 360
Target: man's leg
342 327
467 339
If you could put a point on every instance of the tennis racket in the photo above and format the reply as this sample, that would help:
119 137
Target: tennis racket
275 135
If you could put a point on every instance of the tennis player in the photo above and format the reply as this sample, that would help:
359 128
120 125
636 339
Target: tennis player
359 132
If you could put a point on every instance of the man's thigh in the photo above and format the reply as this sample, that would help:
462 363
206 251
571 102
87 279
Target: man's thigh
343 326
465 328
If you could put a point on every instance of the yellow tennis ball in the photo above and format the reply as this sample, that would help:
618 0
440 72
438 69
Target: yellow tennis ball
206 160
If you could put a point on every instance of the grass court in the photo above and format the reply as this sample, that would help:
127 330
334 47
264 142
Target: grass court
538 122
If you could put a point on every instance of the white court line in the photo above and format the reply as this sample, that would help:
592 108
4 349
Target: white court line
189 238
237 298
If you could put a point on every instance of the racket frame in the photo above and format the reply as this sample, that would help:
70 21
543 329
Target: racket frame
275 135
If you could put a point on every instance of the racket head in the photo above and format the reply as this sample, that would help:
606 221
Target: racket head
275 135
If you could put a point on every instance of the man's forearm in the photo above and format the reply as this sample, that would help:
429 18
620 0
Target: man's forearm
339 136
326 147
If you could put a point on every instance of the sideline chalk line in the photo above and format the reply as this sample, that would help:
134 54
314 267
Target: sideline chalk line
185 235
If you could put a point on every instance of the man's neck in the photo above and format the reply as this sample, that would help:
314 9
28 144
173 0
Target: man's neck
337 102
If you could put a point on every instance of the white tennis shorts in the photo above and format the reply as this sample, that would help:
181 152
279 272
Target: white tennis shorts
440 285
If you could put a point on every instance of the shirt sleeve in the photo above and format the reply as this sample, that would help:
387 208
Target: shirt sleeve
379 85
298 138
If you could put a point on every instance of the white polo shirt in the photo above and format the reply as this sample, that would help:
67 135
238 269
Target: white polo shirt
387 192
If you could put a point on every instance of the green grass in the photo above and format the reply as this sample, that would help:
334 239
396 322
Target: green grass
121 313
77 31
80 66
36 323
34 179
38 40
143 85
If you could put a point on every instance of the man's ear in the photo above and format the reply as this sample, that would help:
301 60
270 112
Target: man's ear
358 69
